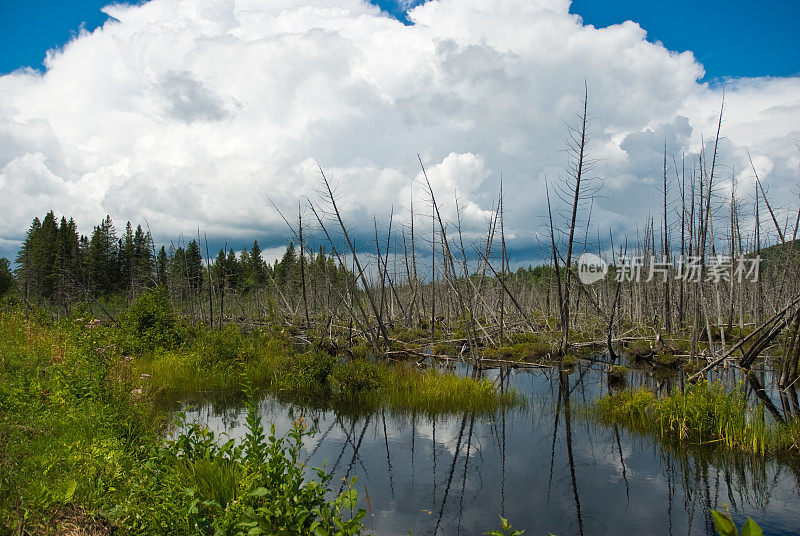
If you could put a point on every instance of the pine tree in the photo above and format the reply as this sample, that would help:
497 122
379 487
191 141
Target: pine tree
6 278
218 270
103 255
286 269
69 261
194 265
161 267
26 268
37 259
126 261
142 259
259 267
246 275
232 270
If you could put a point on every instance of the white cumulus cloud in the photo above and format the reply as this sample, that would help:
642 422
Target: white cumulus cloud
192 113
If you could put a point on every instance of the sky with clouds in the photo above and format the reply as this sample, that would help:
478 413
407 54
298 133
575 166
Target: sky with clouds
194 114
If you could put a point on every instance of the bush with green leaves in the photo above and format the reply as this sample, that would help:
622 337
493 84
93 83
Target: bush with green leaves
307 371
201 485
151 323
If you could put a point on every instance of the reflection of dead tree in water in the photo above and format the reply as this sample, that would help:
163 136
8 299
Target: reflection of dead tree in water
564 391
451 472
355 455
464 476
388 456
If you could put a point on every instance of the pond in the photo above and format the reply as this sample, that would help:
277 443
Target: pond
548 466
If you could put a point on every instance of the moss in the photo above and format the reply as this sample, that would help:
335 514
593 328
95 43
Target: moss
666 360
640 349
524 347
445 348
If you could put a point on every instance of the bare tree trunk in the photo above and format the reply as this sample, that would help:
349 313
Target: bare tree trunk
578 175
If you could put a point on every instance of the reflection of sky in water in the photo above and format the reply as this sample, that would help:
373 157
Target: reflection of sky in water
458 473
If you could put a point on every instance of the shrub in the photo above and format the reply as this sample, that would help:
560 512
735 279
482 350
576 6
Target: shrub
217 346
151 323
306 371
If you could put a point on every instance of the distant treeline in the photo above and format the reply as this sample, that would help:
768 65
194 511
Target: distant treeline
57 265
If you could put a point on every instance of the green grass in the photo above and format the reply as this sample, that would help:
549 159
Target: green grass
618 374
431 391
69 431
324 380
705 414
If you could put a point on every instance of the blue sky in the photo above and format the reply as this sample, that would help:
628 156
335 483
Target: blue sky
730 38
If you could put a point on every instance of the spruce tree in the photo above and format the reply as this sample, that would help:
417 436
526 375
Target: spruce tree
103 256
6 278
259 267
126 259
161 267
194 265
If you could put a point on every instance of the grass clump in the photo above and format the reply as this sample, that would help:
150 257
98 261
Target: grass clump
704 414
355 378
405 387
70 433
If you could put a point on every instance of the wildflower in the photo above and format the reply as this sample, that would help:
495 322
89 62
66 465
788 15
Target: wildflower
145 376
127 359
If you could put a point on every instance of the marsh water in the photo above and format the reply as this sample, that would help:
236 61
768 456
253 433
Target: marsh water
548 466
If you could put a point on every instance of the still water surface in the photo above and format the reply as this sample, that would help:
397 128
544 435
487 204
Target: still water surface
547 467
